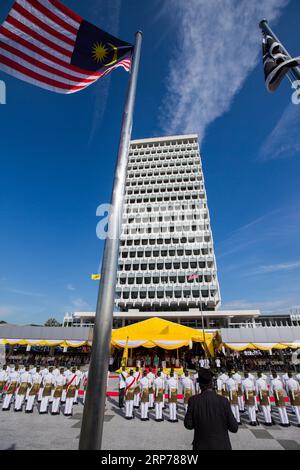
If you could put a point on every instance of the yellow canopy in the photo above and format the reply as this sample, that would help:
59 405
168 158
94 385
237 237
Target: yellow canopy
45 342
162 333
261 346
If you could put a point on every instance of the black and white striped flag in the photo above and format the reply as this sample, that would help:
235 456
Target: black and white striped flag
276 63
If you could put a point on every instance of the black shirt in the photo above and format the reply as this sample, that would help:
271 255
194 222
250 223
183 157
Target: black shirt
211 418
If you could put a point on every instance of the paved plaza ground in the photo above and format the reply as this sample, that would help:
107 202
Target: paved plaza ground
20 431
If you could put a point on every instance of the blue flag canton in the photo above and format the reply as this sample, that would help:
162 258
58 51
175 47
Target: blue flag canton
96 50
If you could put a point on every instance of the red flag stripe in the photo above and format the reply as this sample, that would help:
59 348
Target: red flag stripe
58 12
35 42
21 27
49 14
43 66
42 25
66 10
34 82
36 76
46 55
49 61
122 63
38 30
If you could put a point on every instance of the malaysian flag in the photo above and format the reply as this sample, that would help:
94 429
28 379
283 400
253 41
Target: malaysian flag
45 43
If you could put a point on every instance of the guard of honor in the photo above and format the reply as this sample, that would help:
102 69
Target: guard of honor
146 389
246 394
25 387
56 390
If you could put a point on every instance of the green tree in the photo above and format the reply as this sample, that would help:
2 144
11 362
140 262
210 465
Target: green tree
52 322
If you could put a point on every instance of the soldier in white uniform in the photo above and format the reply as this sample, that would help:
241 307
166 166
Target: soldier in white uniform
224 376
293 389
43 373
151 377
232 390
137 375
163 377
67 374
12 385
36 379
58 382
238 380
263 393
129 395
78 382
188 388
25 383
3 379
55 372
32 371
250 397
47 384
71 390
172 385
144 387
279 395
159 389
221 384
122 386
252 377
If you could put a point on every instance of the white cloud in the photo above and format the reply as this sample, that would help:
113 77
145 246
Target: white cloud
280 226
25 292
275 306
80 304
218 44
273 268
284 140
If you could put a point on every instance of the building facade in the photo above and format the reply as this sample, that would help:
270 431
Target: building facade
167 260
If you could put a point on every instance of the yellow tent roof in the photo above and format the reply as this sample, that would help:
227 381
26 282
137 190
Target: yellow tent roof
158 332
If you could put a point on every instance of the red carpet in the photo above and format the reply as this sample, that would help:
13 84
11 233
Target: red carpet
180 397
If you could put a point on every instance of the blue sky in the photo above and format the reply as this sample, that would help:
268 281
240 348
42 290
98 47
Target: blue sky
200 72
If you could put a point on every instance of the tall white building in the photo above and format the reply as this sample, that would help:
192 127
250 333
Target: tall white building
167 260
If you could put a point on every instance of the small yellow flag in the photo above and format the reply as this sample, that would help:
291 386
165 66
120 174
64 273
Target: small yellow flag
95 277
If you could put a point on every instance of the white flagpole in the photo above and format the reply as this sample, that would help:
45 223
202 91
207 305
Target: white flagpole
94 408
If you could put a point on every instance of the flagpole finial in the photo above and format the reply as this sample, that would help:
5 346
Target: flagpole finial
139 32
263 23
